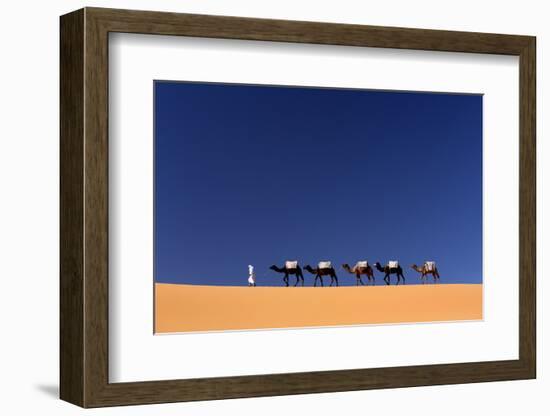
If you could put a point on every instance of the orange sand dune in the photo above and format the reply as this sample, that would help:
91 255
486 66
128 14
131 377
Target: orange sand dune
183 308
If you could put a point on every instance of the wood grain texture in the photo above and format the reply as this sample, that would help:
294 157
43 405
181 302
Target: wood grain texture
72 215
84 207
527 208
96 209
162 23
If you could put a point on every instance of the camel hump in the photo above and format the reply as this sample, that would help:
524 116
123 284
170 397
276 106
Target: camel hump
325 265
362 264
430 265
291 264
393 264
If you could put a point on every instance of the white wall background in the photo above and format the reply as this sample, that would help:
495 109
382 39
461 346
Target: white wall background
29 169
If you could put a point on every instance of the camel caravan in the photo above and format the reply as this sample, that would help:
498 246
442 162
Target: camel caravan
361 268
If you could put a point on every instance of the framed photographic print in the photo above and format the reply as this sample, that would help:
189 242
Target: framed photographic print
255 207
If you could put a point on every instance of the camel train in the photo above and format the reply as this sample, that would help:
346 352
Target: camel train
361 268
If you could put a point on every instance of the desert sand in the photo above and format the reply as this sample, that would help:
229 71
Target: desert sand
188 308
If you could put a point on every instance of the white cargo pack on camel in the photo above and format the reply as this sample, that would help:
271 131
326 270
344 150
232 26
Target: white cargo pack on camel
291 264
362 264
393 264
430 266
324 265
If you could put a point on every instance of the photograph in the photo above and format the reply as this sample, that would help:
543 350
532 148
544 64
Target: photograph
304 202
281 206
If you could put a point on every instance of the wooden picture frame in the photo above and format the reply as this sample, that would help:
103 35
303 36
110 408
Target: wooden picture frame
84 207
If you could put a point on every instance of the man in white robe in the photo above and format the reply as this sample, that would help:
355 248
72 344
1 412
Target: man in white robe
251 276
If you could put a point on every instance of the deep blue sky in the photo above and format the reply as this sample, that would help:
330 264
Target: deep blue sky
260 174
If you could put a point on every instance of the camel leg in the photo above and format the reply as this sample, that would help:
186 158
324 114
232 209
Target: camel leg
336 280
315 282
285 279
387 279
321 280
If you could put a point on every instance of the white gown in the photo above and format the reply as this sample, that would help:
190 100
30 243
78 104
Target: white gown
251 275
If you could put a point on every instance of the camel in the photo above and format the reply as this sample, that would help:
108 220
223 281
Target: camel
362 267
296 270
387 270
319 272
426 269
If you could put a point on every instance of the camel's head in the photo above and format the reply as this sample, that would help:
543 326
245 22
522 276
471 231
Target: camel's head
273 267
345 266
413 266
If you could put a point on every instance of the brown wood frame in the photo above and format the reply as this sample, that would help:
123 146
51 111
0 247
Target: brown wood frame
84 207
